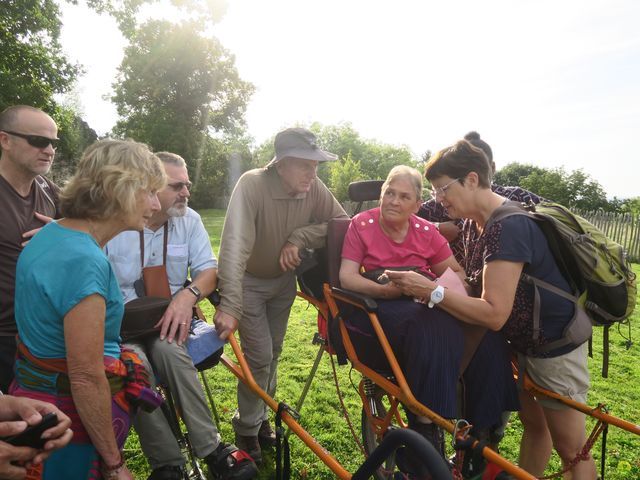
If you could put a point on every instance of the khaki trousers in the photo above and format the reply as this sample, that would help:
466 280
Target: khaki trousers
266 306
170 364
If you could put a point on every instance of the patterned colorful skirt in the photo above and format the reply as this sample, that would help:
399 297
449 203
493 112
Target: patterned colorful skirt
46 380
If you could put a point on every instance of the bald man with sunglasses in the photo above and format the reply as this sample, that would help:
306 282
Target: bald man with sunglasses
28 139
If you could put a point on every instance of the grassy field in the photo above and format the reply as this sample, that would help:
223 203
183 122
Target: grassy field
322 414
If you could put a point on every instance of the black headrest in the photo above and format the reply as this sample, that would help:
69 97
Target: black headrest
365 190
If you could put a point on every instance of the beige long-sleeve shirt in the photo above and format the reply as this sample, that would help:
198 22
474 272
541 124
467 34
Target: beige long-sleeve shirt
260 219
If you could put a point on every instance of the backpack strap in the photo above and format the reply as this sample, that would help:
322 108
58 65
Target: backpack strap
577 324
575 330
505 210
552 288
600 312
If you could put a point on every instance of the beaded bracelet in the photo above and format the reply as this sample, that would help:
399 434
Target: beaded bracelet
111 471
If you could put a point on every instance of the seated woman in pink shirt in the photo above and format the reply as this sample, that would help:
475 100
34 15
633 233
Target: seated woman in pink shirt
427 341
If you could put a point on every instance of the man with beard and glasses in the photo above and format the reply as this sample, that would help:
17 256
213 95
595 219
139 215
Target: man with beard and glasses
185 251
28 139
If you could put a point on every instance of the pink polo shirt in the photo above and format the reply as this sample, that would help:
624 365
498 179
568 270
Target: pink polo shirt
368 245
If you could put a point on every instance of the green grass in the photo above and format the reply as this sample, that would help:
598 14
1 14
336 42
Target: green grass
322 414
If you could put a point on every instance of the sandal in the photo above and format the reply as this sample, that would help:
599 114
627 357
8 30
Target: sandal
228 462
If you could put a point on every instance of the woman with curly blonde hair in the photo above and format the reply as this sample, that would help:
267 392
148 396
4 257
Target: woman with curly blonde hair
69 309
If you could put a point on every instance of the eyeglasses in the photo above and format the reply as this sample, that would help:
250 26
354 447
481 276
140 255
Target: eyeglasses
178 186
36 140
442 191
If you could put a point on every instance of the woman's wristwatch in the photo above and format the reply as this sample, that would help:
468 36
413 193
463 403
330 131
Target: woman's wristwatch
437 295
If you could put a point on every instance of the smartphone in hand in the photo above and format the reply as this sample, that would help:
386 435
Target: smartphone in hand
32 435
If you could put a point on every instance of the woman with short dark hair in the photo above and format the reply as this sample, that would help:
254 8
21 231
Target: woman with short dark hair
501 251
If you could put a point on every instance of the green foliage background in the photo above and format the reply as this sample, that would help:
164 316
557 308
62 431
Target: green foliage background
322 415
178 90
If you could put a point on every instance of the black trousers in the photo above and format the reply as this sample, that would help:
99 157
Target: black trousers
7 360
428 344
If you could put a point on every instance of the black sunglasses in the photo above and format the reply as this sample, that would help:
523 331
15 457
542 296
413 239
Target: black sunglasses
178 186
36 140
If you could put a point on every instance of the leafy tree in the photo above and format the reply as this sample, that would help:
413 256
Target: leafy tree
575 189
586 194
343 172
175 87
549 184
205 13
223 161
75 135
33 68
624 205
511 175
375 158
32 64
632 205
264 152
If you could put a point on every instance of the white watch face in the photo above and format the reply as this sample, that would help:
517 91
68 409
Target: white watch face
437 295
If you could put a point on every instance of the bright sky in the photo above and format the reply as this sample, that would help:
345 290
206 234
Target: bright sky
546 82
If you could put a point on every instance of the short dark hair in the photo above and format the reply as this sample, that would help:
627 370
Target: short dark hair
457 161
9 115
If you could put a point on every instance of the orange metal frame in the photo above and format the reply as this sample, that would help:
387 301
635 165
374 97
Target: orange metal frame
241 370
598 412
398 392
400 389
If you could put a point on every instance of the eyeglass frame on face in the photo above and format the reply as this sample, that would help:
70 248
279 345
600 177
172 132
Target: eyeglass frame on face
178 186
36 141
442 191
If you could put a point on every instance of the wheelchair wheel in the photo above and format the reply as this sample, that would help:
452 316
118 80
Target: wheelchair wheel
372 434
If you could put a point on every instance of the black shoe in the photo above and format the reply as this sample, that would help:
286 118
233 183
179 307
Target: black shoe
266 435
228 462
168 472
251 445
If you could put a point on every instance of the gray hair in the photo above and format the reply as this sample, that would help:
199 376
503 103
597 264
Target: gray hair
404 171
171 159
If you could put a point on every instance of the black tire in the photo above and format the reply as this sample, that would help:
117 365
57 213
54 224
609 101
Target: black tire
369 440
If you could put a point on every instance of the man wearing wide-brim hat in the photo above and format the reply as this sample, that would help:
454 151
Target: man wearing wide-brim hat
273 214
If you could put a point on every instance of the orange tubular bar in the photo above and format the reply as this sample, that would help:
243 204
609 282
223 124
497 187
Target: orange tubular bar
241 370
595 412
402 390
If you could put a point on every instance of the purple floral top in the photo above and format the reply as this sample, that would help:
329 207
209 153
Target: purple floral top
519 239
436 213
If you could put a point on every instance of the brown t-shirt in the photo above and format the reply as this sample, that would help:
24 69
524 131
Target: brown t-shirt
16 217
